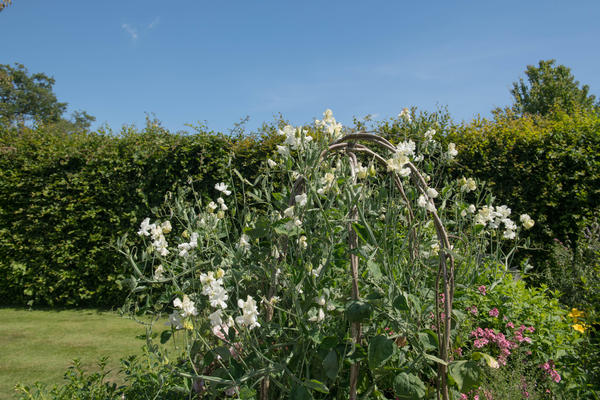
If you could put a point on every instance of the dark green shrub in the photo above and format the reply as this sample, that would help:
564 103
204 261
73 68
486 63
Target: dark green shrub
547 167
66 198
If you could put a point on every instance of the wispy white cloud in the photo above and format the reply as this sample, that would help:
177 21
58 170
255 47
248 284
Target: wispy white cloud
135 31
131 31
155 22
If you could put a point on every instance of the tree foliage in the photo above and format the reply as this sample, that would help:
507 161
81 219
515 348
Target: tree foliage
550 87
4 4
26 98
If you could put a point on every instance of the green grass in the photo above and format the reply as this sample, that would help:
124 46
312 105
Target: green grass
40 345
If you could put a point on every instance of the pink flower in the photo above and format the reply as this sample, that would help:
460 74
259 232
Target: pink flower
472 310
494 312
464 396
510 325
482 290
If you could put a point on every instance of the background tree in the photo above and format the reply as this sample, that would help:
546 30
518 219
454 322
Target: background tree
4 4
550 87
27 98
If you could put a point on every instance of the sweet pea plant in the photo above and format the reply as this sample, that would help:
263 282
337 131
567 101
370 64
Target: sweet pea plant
338 283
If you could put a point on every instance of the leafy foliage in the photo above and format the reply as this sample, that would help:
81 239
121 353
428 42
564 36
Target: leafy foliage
67 197
547 167
27 98
550 88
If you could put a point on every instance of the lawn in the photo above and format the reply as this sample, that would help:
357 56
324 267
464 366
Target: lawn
40 345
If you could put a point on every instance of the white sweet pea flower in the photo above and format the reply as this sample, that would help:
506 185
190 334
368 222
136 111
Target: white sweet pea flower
222 187
187 306
329 125
275 252
527 221
158 273
145 227
301 199
467 185
320 316
509 234
452 152
215 318
175 321
218 297
244 242
361 172
283 150
432 193
222 203
503 212
161 246
424 202
406 148
271 163
166 227
289 212
397 163
429 134
212 206
405 115
302 242
320 300
435 248
317 272
249 317
184 248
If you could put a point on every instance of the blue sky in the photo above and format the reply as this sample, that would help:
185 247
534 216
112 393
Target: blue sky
219 61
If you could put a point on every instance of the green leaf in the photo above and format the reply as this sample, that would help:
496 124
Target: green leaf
435 359
401 302
299 392
489 360
165 336
261 229
330 364
246 393
223 352
466 374
409 387
317 385
380 350
374 270
428 341
358 311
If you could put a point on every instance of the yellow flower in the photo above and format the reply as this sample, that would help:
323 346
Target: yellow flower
575 314
579 328
187 324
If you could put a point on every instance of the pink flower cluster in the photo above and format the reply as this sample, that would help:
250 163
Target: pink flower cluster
487 335
482 290
389 331
519 334
548 366
494 312
476 395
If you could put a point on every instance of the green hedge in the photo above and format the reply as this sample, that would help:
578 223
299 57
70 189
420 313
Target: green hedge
66 198
548 167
